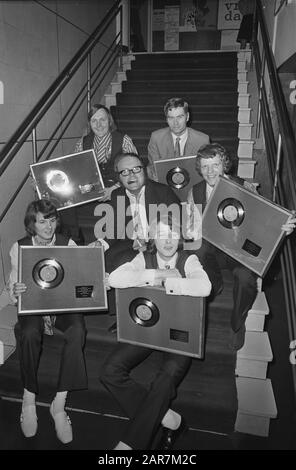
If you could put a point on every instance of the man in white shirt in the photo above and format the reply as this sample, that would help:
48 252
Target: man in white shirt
131 206
176 140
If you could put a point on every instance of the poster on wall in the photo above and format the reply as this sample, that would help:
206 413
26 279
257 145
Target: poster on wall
198 14
171 28
229 16
158 20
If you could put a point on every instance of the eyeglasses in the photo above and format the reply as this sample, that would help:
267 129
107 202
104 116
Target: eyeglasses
127 171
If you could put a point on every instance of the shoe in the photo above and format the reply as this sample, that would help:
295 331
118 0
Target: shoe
170 436
113 328
237 338
63 425
28 420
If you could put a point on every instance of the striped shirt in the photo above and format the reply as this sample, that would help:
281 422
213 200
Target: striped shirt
127 146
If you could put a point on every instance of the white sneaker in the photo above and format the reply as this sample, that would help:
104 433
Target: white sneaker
63 425
28 420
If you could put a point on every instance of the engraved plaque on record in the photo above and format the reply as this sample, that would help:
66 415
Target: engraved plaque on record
244 225
70 180
179 173
61 279
147 316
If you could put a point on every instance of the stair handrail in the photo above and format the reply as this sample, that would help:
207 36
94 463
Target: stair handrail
280 149
20 135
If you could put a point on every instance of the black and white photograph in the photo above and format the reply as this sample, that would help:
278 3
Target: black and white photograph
147 230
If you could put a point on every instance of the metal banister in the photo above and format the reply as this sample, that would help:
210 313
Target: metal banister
280 150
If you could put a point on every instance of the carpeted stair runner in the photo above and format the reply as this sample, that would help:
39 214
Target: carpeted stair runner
206 397
208 81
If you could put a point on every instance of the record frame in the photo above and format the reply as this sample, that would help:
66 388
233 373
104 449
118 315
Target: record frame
70 180
56 282
147 316
178 173
244 225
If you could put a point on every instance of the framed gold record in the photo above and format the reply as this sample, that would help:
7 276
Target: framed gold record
144 312
61 279
178 177
230 213
48 273
149 317
69 180
244 225
178 173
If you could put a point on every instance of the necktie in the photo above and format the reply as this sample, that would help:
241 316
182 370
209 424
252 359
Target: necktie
139 242
102 147
177 148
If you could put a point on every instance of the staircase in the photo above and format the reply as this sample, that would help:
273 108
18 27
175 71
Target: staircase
207 396
210 397
208 81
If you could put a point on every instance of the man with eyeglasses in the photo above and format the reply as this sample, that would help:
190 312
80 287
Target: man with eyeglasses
131 204
176 140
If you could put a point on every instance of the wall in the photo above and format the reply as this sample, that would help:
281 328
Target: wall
281 29
35 46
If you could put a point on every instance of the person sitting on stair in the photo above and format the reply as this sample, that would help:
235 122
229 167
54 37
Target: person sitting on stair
180 272
41 221
176 140
212 161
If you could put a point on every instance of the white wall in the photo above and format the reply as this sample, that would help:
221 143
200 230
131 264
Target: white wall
281 29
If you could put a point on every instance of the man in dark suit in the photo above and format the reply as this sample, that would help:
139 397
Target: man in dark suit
212 161
125 224
176 140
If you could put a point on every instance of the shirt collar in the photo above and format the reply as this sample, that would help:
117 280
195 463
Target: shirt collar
183 136
133 196
171 263
52 242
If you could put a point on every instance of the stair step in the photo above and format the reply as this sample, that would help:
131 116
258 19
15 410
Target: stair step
246 168
245 150
212 130
257 347
256 316
256 406
253 358
260 306
144 98
5 352
8 318
157 117
184 73
177 87
243 100
245 131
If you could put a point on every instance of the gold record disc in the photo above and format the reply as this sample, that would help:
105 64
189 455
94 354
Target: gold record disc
230 213
144 312
48 273
178 177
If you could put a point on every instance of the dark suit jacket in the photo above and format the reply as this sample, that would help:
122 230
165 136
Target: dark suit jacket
155 194
199 191
208 253
161 144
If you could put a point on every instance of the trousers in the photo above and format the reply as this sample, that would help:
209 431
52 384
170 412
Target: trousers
29 333
145 407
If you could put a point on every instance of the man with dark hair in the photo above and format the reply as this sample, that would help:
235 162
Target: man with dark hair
130 207
177 139
41 223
